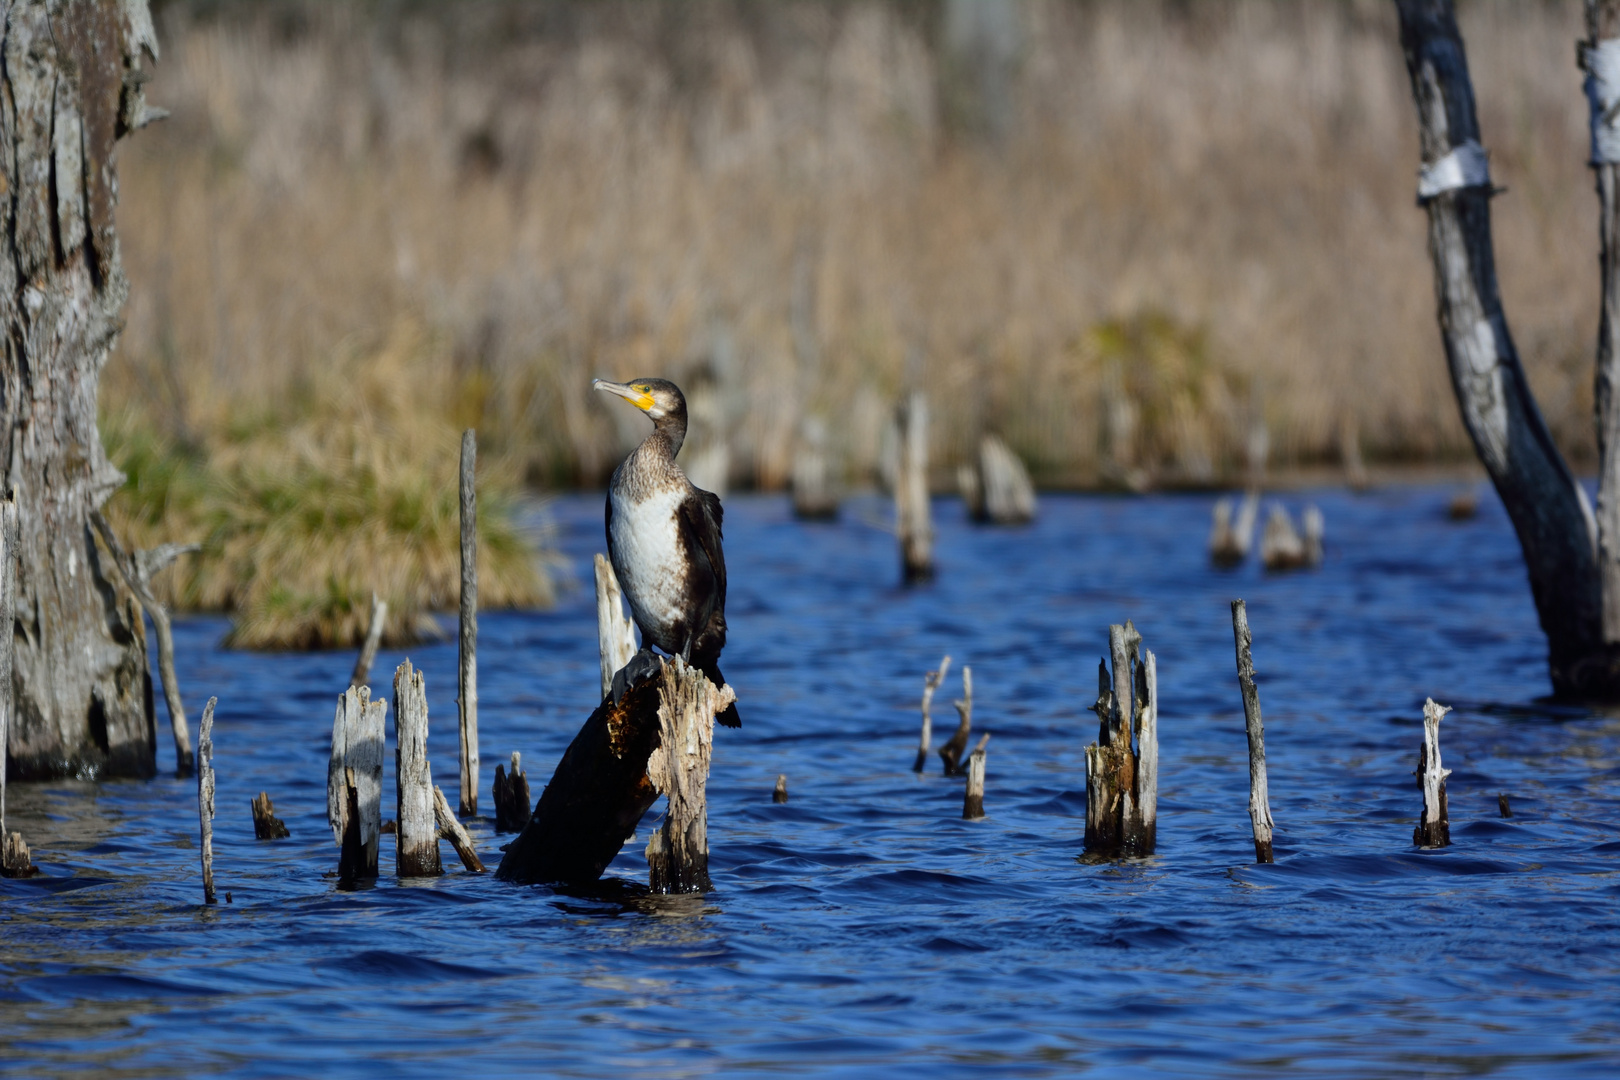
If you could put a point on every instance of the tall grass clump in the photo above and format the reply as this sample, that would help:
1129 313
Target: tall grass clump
306 505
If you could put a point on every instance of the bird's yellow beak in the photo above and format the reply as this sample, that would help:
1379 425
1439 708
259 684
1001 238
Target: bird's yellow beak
640 400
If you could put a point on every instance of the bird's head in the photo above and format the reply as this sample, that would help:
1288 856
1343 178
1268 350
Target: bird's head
660 399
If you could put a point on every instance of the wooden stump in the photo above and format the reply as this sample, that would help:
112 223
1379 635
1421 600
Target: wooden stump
951 753
467 687
1259 798
814 498
417 839
913 522
604 784
615 633
266 826
205 797
1229 539
973 797
1434 826
8 638
1122 778
780 794
931 682
678 853
15 859
511 797
368 650
452 830
354 782
996 488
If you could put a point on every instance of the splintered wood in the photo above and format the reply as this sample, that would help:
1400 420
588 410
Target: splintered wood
1259 799
931 682
1434 827
467 686
951 753
1121 780
368 650
678 852
780 794
615 633
973 797
452 830
354 782
417 839
14 858
266 826
205 797
511 797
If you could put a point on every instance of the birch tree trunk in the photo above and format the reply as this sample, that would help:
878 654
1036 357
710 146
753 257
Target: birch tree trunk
1555 524
72 74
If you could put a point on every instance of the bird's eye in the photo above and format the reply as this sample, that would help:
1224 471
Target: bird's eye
645 389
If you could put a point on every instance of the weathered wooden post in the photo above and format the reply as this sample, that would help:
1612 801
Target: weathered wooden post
467 688
266 826
417 832
973 796
1599 57
931 682
615 633
1259 799
913 523
368 650
678 852
996 487
1434 826
1229 539
951 753
205 797
780 795
14 857
511 797
813 496
1502 806
354 782
1121 778
452 830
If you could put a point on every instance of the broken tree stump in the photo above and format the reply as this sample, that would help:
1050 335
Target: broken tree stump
996 488
417 840
1121 811
511 797
14 859
913 523
1502 806
1259 798
205 797
266 826
973 797
602 786
931 682
452 830
780 794
368 650
1229 539
615 633
1434 826
814 497
951 753
678 852
467 686
354 782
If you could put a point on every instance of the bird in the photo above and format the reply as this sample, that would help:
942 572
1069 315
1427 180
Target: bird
663 536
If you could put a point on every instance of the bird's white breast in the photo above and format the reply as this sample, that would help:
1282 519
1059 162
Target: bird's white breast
647 557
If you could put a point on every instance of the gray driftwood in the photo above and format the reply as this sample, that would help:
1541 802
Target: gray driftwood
467 686
952 752
996 487
1121 809
354 782
973 795
1557 530
452 830
913 521
417 838
266 826
780 795
511 797
678 852
1434 825
814 497
74 77
205 797
931 682
615 633
1230 538
368 650
1259 799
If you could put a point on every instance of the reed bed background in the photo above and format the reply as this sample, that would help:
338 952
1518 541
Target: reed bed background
1117 232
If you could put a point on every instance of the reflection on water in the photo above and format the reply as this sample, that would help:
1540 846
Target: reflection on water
863 928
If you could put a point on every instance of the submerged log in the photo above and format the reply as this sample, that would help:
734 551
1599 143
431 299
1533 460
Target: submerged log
417 839
973 796
205 797
913 522
1434 826
368 650
266 826
615 633
1229 539
951 753
931 682
1259 798
467 685
1121 778
452 830
601 787
511 797
354 782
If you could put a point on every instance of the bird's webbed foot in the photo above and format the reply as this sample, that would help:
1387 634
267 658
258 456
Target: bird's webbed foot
642 666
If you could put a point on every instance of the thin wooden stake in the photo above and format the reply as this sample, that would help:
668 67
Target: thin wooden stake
1502 806
615 633
1434 827
912 512
780 794
512 805
368 651
468 686
354 782
1146 826
418 836
205 797
951 753
678 852
266 826
973 798
452 830
931 682
1259 800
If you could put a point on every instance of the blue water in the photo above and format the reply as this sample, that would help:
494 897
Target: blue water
863 928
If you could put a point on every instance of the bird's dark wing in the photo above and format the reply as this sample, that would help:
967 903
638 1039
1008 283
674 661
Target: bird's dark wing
607 522
701 517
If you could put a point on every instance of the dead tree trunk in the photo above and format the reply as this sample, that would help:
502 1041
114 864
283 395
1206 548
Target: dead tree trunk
678 853
354 782
1556 527
1121 780
1600 58
1434 824
913 523
467 697
72 74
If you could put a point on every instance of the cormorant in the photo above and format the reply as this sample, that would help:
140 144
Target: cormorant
663 538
